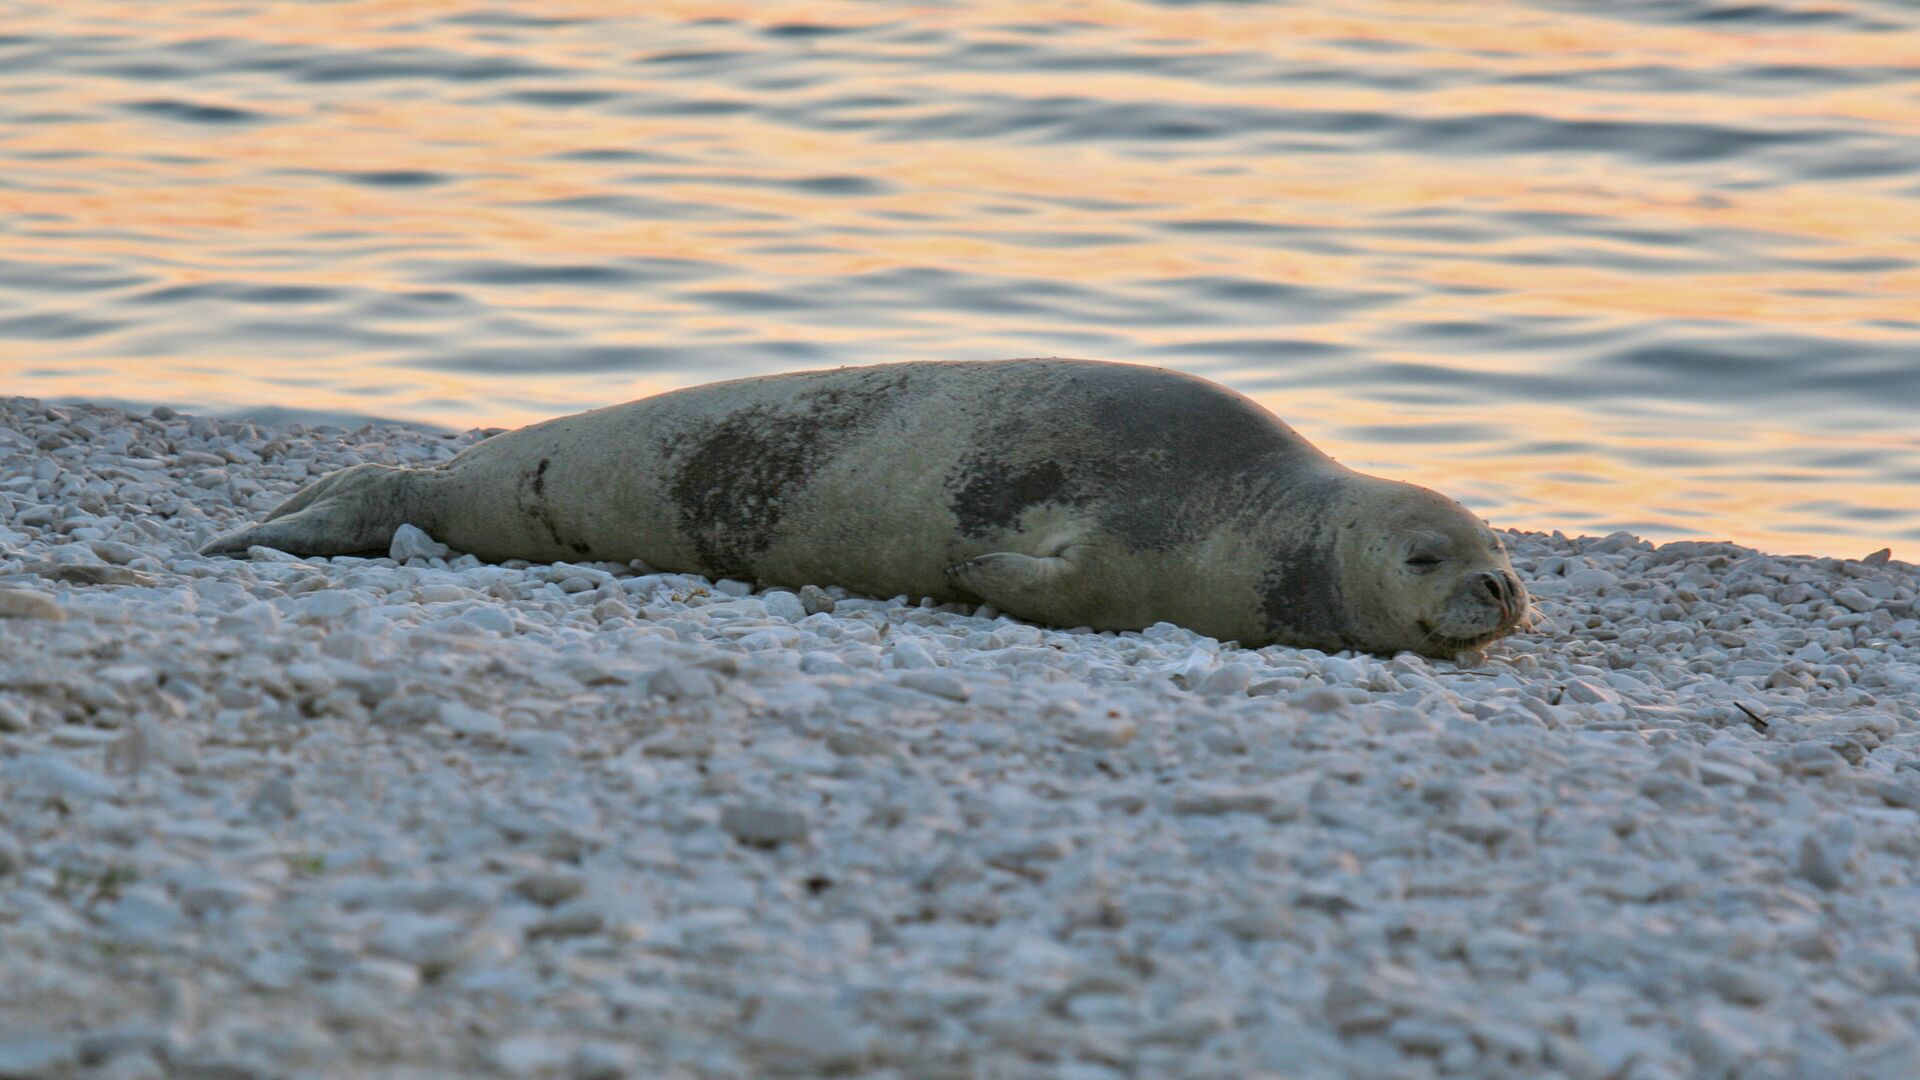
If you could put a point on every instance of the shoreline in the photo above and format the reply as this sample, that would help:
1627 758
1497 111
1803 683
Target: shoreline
291 816
323 421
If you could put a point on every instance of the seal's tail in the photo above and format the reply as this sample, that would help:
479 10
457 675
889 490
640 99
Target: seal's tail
350 512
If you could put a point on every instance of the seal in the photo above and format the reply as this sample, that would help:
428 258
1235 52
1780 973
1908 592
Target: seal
1067 492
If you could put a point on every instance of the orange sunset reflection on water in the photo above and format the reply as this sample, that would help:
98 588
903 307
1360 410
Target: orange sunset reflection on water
1584 267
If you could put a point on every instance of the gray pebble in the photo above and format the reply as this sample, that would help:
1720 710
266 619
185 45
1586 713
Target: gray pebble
763 823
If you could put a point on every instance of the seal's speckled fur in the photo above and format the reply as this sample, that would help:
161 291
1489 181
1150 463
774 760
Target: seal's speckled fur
1071 492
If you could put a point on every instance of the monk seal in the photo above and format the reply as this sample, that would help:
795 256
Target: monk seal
1067 492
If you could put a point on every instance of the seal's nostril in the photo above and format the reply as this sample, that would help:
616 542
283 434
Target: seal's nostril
1501 590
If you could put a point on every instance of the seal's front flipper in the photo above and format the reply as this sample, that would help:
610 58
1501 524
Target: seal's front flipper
350 512
1030 586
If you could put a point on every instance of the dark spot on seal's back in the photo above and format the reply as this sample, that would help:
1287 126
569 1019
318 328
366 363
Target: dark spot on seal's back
530 495
1163 457
1300 597
990 494
1201 451
1300 594
734 481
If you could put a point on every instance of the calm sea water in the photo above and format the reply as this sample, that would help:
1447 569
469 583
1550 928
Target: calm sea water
1643 264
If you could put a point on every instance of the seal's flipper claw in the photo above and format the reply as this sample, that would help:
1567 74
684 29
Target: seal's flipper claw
1010 581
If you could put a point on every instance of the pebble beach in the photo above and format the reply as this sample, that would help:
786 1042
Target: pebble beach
423 816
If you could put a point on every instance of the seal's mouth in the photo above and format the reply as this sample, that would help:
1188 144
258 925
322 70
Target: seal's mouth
1486 608
1434 642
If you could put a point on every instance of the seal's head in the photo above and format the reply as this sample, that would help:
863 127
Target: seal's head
1421 573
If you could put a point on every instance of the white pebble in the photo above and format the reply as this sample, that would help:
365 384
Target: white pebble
52 774
412 542
792 1031
469 721
21 604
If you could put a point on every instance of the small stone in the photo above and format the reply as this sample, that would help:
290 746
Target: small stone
1355 1006
219 894
1725 772
328 604
549 887
1594 578
412 542
911 655
601 1061
1742 984
1818 863
1222 799
1102 732
466 720
540 744
385 973
1318 699
21 604
681 683
275 799
1853 600
1231 678
1586 693
938 683
489 618
114 552
785 605
531 1055
53 775
1721 1043
144 916
432 943
764 824
815 600
30 1057
1902 790
1878 558
795 1032
574 920
14 715
92 574
1813 759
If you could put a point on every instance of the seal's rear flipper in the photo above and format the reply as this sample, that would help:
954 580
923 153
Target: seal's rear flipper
350 512
316 531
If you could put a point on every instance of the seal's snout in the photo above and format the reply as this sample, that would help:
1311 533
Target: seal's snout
1504 588
1486 605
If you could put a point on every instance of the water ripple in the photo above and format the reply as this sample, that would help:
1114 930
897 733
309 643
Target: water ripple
193 113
